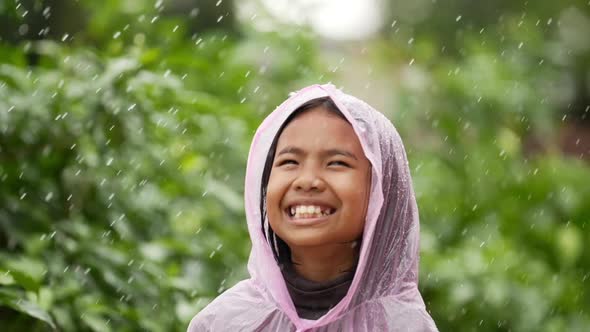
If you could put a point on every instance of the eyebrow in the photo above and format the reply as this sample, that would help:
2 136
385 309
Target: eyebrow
329 152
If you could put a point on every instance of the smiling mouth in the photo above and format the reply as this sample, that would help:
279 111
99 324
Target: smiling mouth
309 211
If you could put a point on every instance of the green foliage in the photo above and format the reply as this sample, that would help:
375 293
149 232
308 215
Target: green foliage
503 224
122 155
121 178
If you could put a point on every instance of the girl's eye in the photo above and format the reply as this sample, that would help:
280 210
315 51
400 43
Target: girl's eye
286 162
338 163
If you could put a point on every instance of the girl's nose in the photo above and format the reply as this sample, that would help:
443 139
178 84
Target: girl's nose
309 181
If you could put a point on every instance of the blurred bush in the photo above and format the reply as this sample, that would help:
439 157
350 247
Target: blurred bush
123 140
121 171
504 212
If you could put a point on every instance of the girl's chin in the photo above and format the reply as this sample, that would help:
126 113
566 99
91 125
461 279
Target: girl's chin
301 241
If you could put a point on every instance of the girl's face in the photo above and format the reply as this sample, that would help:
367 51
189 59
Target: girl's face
319 183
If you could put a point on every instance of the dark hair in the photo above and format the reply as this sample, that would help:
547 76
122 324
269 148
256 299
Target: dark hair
279 248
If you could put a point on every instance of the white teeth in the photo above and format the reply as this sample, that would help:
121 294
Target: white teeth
309 211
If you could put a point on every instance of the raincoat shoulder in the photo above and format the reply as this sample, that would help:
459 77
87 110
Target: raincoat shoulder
240 308
392 314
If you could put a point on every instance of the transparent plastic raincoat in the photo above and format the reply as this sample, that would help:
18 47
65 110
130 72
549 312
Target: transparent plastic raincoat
383 295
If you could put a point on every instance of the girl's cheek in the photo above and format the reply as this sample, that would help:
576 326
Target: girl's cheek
276 188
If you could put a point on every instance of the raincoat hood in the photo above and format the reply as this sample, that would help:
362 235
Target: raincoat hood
383 295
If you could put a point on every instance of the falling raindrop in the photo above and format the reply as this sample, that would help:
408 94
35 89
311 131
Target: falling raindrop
23 29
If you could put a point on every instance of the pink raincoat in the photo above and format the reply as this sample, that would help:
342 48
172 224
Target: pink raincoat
383 295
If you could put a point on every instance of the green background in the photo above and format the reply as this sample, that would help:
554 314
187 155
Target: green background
125 127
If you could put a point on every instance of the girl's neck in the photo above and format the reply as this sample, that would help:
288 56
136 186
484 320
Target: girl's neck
324 263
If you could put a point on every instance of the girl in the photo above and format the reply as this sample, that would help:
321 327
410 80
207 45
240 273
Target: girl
333 222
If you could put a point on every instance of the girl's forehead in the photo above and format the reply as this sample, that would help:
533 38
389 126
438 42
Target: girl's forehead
321 129
319 120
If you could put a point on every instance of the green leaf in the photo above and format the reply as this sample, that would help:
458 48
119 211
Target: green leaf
6 278
96 322
26 271
225 194
12 299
